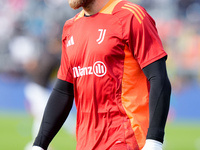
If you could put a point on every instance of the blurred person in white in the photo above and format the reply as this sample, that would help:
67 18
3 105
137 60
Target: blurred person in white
24 52
40 67
37 57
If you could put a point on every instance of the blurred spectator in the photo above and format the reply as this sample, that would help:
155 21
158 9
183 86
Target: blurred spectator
184 5
40 71
30 47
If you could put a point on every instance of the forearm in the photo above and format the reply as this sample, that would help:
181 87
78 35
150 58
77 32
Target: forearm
159 99
55 114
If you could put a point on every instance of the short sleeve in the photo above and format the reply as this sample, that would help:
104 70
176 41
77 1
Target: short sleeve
65 71
142 36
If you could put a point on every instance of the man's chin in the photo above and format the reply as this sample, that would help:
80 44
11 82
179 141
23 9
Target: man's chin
75 5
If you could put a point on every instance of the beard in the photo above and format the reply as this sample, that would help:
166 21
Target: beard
75 4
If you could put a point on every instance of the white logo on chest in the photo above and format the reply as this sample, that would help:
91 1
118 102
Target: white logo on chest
99 69
101 36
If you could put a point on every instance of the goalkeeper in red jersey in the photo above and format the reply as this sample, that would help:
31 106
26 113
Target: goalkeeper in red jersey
113 66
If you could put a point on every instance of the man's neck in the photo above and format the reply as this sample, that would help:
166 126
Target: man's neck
94 7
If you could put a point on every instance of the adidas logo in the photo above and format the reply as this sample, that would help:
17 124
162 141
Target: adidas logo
70 42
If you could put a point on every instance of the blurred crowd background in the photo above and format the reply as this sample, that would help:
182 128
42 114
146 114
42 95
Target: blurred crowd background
30 48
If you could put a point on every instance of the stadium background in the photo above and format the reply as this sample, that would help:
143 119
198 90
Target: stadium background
40 24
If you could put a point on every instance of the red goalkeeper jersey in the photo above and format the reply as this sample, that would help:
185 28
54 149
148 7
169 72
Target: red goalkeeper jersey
103 56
